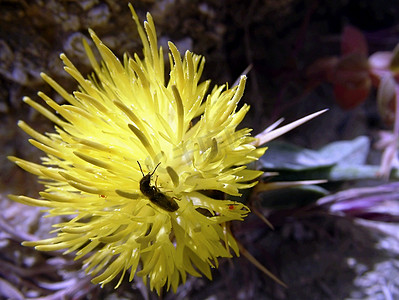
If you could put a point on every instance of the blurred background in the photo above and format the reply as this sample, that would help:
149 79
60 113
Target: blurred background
334 240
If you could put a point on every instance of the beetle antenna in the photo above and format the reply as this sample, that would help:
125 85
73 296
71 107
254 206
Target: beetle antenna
155 169
140 168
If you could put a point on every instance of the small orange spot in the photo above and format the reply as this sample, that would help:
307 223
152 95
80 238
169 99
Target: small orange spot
102 196
231 206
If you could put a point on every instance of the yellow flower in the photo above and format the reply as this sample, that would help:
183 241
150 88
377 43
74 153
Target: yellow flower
163 221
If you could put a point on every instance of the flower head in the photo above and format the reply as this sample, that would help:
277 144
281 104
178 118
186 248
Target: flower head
132 161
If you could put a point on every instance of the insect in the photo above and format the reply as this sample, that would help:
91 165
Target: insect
154 194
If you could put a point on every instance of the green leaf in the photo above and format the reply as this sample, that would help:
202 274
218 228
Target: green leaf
292 197
285 156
